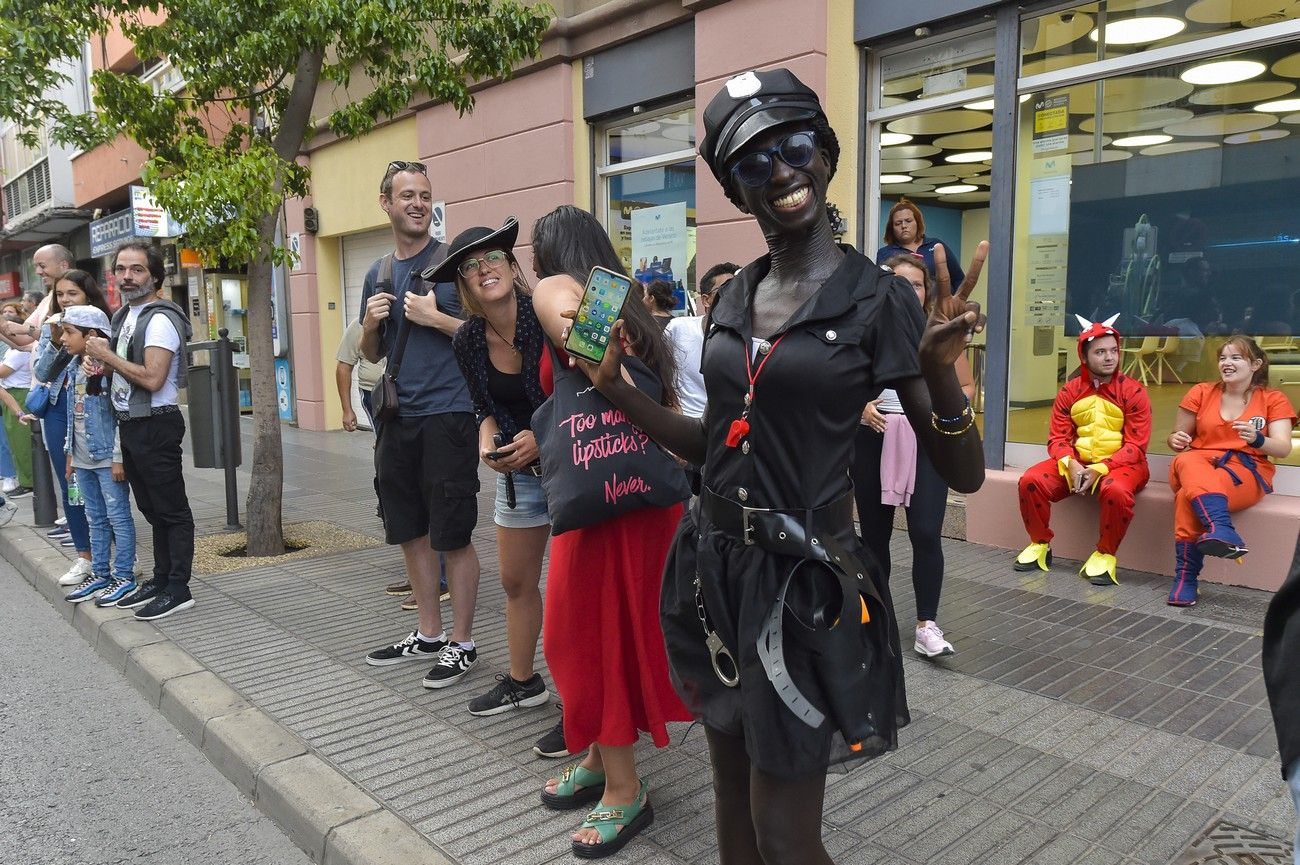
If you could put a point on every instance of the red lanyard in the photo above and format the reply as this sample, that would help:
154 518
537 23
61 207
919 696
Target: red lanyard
740 426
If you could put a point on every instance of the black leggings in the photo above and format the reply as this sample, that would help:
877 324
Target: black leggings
762 819
924 519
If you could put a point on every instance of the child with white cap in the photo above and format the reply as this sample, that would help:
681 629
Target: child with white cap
94 465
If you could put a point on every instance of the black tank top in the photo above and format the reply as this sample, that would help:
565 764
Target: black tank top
507 389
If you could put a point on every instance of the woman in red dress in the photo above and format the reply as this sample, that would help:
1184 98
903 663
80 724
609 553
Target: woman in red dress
600 630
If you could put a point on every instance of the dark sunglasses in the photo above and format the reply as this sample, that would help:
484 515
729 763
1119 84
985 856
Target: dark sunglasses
795 150
401 165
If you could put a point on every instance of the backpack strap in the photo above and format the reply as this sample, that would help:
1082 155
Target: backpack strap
404 331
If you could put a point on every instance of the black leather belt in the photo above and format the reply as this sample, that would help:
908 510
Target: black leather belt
809 535
124 416
535 470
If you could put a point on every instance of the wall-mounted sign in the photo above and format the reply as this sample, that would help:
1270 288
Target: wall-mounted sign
150 220
107 234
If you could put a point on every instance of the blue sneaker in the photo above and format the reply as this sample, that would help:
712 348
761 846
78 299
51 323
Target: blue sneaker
87 589
58 532
116 591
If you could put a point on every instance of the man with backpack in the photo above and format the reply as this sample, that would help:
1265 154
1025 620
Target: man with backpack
146 361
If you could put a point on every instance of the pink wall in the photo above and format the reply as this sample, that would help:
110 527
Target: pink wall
799 44
304 305
514 156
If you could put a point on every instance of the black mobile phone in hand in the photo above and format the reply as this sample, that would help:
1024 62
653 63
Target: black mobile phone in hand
498 441
601 306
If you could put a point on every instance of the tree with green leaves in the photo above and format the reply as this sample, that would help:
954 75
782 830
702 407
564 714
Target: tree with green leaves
223 149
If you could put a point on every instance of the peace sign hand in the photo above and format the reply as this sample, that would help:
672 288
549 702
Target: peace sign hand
955 318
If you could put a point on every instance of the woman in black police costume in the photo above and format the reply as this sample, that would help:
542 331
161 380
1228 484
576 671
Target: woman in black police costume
772 611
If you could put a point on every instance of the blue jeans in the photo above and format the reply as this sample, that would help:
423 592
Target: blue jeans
54 427
108 510
7 467
1293 781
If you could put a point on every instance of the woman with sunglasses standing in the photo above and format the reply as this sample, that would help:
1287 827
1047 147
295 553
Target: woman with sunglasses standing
499 349
772 608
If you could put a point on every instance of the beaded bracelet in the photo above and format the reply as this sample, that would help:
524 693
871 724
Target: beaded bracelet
969 415
965 412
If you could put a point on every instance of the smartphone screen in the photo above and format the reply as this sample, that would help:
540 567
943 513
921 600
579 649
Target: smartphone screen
602 302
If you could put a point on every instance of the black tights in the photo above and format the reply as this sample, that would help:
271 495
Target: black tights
762 819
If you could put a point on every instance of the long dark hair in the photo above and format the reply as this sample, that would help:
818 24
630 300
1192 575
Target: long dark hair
569 240
84 281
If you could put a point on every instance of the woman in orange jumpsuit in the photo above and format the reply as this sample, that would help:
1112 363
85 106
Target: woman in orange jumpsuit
1224 435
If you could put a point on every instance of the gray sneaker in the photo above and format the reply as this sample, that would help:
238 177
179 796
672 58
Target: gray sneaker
508 694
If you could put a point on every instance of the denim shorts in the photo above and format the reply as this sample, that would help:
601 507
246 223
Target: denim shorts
530 503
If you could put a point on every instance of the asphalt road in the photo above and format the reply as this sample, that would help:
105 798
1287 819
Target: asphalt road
90 774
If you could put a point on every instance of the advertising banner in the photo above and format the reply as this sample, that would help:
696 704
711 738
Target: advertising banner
659 247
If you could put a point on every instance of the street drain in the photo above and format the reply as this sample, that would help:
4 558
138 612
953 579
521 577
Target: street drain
1229 844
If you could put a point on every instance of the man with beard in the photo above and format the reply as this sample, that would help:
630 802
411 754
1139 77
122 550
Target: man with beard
1100 428
426 458
144 360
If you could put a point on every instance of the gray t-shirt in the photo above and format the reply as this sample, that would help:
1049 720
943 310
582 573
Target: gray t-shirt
81 457
429 381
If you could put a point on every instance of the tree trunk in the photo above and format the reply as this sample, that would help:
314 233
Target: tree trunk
266 489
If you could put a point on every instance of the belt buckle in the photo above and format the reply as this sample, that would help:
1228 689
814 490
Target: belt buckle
746 530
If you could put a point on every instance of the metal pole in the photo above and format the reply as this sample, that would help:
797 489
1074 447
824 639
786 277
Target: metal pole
44 509
227 414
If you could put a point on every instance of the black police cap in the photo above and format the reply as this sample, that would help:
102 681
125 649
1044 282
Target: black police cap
749 104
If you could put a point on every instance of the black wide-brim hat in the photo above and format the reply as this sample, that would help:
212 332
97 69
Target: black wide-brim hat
750 104
478 237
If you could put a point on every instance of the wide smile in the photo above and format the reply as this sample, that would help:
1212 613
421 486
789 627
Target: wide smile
792 200
490 282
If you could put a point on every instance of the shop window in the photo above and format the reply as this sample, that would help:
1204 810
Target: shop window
1119 28
1167 196
647 174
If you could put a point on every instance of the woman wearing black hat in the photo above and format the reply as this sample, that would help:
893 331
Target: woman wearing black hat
498 349
775 617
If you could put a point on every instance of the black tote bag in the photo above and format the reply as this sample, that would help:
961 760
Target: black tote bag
595 464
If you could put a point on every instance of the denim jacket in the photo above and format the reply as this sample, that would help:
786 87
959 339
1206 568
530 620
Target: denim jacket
101 423
50 357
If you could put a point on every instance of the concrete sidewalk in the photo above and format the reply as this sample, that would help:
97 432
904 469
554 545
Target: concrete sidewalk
1074 725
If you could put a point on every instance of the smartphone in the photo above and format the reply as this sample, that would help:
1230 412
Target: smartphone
498 440
602 303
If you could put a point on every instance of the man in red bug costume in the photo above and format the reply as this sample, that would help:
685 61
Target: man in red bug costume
1101 424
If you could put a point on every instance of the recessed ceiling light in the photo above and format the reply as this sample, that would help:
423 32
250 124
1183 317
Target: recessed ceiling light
1142 140
969 156
1135 31
895 178
1223 72
956 188
987 104
890 138
1280 106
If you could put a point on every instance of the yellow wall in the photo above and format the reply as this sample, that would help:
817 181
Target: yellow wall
345 177
581 144
843 110
345 191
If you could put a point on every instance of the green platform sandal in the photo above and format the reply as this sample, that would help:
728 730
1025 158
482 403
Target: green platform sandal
616 825
578 788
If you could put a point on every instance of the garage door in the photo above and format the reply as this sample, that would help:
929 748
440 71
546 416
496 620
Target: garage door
359 252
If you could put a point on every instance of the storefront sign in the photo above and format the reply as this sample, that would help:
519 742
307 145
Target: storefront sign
10 285
150 220
1051 124
107 234
659 247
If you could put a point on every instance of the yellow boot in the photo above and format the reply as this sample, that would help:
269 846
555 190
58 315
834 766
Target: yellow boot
1034 556
1100 569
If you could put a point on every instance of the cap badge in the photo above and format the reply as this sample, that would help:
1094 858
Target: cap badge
744 85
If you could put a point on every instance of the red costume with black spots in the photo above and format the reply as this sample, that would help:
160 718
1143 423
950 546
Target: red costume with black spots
1103 426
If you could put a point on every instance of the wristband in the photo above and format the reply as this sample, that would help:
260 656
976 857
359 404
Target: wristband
1258 441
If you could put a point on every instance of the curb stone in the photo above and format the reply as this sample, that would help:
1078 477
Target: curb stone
323 812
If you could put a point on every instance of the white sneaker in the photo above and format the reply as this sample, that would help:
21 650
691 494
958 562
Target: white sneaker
9 485
7 511
61 521
930 641
79 571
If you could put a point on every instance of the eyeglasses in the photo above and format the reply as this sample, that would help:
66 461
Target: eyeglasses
795 150
401 165
491 257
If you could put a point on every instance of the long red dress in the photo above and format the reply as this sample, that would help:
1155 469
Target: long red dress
601 632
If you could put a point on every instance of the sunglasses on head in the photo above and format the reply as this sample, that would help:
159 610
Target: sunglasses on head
402 165
795 150
492 257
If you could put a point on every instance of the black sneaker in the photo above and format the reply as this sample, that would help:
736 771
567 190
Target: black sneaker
552 744
454 663
143 595
165 603
511 694
20 493
412 648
